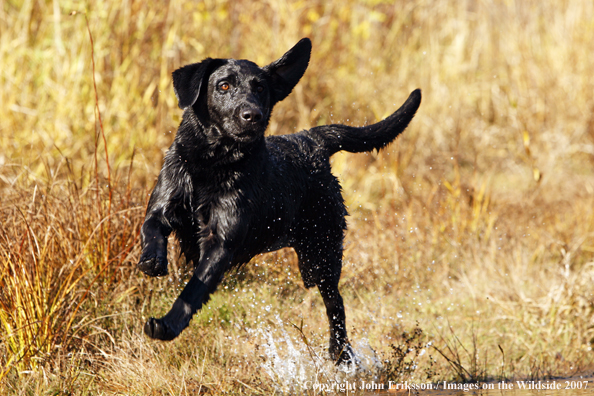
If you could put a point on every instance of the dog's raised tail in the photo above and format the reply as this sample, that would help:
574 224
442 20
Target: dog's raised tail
360 139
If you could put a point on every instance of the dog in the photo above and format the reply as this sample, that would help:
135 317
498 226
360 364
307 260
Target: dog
228 193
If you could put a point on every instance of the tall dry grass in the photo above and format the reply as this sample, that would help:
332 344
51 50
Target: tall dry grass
477 224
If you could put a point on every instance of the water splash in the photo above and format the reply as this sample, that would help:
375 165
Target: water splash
295 366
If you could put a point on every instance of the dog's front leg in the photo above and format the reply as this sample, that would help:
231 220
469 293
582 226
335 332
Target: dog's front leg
204 281
154 233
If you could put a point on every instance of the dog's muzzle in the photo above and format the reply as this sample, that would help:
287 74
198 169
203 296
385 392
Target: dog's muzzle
250 115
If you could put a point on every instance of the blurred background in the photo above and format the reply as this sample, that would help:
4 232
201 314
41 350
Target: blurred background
478 219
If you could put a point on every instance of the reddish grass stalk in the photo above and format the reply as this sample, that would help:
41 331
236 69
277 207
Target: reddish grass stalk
98 115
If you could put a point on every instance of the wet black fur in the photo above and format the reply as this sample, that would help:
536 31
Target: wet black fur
228 193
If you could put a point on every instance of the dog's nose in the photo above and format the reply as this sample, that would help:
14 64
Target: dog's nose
251 115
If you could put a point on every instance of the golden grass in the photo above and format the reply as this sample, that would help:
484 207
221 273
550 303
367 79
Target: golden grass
477 224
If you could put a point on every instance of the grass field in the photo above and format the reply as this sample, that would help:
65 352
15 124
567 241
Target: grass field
470 249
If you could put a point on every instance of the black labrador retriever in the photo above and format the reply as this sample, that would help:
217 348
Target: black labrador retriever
229 193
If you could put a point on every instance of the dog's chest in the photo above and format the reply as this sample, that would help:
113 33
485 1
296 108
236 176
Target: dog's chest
255 210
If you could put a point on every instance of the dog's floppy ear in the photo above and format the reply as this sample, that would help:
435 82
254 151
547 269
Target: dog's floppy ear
187 80
288 69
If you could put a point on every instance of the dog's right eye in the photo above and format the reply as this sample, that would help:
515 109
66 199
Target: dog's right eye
224 86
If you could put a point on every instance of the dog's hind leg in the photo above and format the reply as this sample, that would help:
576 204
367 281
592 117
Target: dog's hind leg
339 349
318 243
321 267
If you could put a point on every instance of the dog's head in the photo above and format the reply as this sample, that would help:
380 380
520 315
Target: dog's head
237 96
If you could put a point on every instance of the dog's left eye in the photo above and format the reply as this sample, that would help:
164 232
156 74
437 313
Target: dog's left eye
260 88
224 86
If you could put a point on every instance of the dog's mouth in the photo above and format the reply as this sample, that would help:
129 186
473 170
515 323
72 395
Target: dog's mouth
248 134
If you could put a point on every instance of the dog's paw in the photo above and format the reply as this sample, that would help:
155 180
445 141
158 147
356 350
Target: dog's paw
153 266
159 330
344 355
